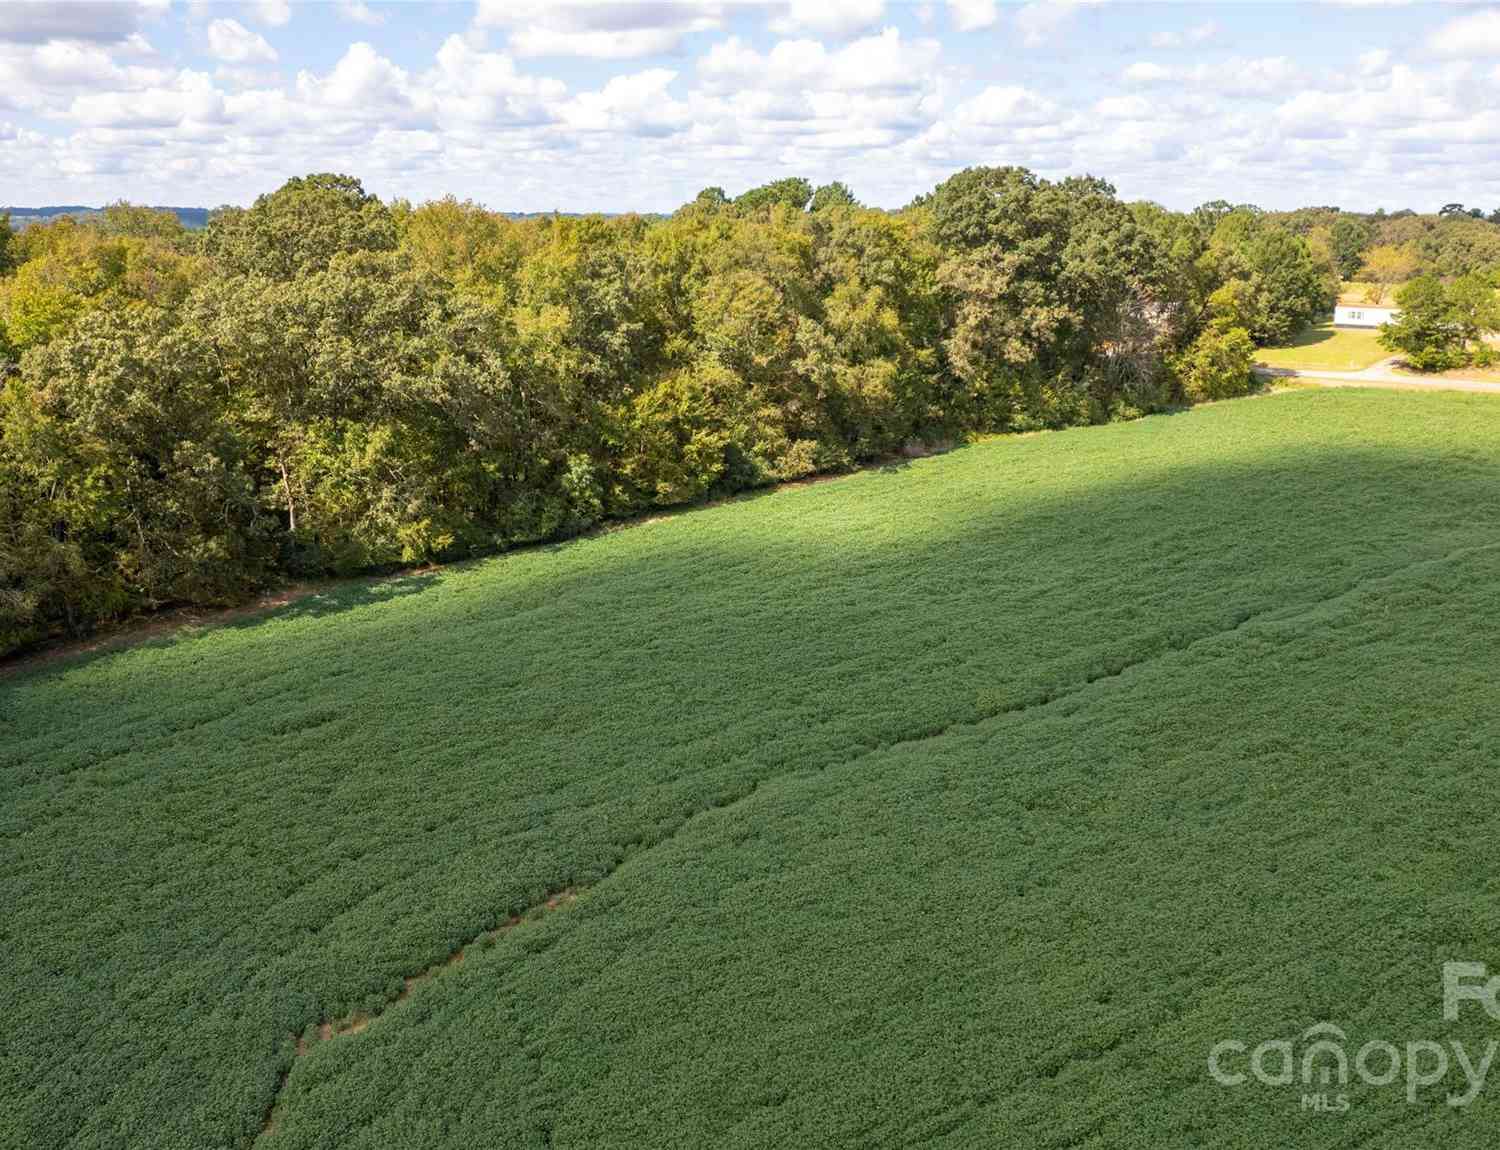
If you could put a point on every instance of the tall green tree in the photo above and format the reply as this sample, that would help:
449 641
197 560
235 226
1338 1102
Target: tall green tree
1350 236
1441 326
299 228
1272 275
1052 294
793 192
833 195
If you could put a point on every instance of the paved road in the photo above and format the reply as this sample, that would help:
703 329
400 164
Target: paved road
1379 375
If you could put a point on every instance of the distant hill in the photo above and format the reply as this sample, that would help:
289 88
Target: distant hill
24 217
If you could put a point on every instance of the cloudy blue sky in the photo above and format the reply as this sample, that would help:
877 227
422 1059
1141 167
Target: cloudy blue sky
528 105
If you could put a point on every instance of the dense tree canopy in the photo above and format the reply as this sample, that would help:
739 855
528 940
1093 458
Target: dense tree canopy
323 382
1349 237
1440 325
1449 243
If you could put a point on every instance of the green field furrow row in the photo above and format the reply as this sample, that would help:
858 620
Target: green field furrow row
1029 931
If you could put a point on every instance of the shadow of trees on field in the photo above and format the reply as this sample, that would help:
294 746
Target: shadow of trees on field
1346 478
1352 486
1313 335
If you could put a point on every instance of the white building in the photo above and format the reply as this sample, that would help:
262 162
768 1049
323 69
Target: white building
1362 315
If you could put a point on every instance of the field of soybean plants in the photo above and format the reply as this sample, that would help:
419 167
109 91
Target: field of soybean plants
1059 791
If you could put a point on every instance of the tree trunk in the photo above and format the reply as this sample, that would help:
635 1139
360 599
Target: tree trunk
291 506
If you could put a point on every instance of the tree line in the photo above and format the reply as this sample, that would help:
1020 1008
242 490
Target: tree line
1383 251
327 383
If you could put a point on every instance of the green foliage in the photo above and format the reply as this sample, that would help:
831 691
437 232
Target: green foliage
833 195
1350 236
1440 326
364 385
124 219
1217 365
299 228
1443 245
793 192
1386 265
116 430
1272 283
462 244
8 244
39 304
929 804
711 199
68 269
1055 318
1473 306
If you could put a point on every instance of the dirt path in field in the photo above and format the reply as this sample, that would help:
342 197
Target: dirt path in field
360 1020
1382 374
179 621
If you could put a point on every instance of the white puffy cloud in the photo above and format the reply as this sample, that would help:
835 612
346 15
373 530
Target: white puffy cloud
836 18
1041 20
972 15
47 76
599 31
1148 72
92 21
190 99
815 110
1197 34
272 12
232 42
1265 76
358 12
1006 106
473 86
64 63
1125 108
638 105
1406 98
1477 34
885 61
363 81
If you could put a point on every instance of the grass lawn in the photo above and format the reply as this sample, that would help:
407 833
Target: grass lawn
966 803
1327 347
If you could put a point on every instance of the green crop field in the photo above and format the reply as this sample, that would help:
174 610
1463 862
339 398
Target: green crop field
969 802
1327 347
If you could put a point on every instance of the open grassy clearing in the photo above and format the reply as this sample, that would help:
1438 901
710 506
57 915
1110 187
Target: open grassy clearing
958 803
1364 292
1327 347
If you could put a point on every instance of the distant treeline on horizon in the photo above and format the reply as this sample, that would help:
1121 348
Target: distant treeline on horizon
20 218
195 219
